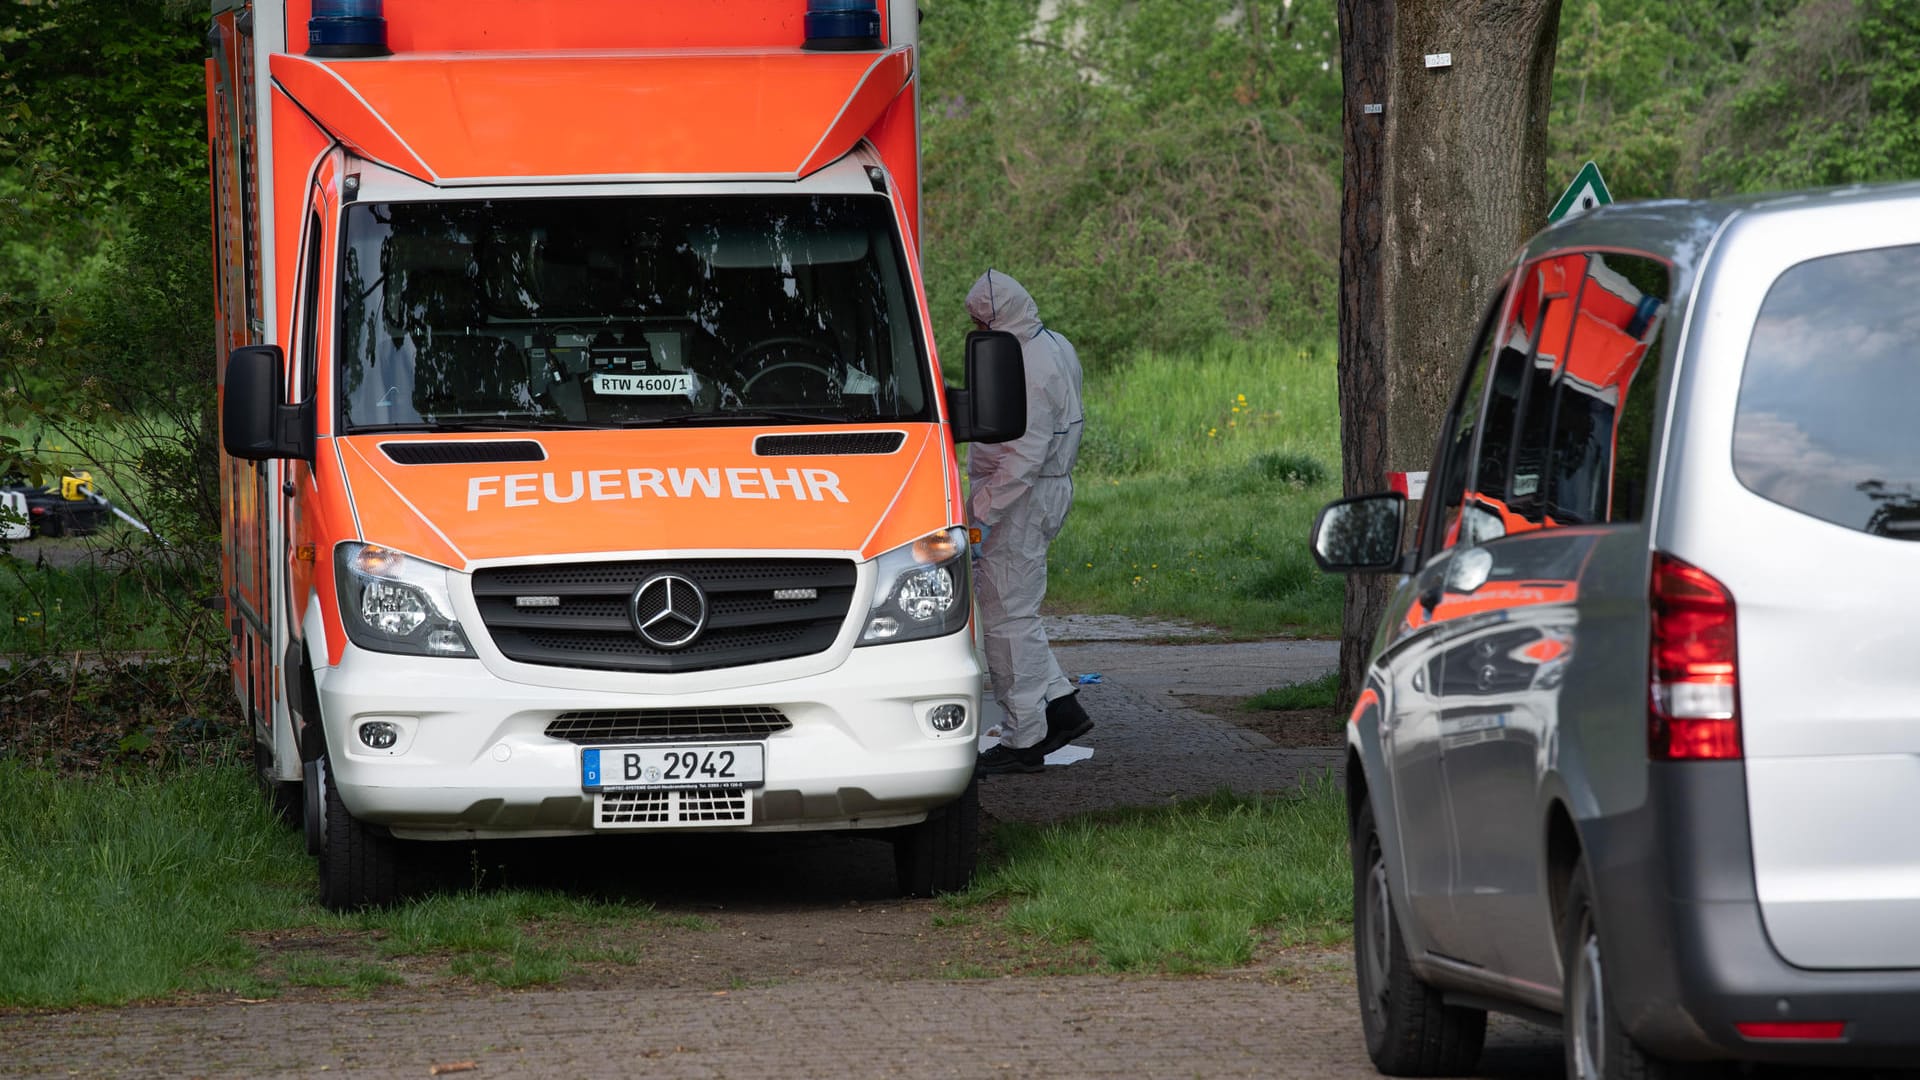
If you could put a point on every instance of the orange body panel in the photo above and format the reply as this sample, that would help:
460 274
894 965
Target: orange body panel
897 137
478 118
503 25
297 146
613 491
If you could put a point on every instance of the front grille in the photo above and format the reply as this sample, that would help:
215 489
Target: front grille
585 619
463 452
668 725
693 806
827 443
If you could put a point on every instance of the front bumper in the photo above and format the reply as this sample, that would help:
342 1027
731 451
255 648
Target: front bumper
1688 956
473 758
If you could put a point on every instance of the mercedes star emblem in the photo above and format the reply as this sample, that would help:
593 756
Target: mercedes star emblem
669 610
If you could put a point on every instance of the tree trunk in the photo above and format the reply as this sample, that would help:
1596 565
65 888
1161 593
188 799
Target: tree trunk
1466 186
1366 41
1441 187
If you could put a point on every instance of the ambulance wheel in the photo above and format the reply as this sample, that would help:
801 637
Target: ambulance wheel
359 862
938 855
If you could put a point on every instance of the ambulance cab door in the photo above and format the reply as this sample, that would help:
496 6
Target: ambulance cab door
297 497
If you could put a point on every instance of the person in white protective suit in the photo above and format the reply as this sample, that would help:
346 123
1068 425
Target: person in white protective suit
1019 493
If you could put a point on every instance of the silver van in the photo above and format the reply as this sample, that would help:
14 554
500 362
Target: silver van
1638 753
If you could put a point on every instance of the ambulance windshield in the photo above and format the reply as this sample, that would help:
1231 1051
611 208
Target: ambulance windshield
612 312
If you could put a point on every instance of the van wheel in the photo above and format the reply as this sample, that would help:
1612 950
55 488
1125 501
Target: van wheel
938 855
1597 1046
1410 1031
359 864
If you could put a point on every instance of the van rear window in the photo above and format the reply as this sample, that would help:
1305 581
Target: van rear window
1825 421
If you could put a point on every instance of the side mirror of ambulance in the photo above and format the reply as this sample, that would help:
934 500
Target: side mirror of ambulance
256 423
993 407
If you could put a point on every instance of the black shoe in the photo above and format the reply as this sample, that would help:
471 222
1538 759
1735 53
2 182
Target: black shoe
1066 721
1007 759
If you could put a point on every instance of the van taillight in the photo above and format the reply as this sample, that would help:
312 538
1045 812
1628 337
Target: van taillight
1695 709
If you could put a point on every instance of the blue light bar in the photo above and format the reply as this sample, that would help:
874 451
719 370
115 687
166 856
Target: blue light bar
347 28
843 25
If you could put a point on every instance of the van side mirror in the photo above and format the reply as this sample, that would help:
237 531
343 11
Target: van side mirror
993 407
1360 534
256 423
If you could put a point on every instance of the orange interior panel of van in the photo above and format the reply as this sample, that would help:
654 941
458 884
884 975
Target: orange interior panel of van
477 117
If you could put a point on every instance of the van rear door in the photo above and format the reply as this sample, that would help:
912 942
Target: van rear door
1810 373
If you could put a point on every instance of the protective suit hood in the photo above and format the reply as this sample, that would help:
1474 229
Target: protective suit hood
1003 304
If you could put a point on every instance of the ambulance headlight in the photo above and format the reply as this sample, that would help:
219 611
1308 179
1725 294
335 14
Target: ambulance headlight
396 603
920 590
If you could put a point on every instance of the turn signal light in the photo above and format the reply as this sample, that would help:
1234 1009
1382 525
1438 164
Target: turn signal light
1694 711
1807 1030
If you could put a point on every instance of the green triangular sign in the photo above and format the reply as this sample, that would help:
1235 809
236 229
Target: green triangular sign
1585 193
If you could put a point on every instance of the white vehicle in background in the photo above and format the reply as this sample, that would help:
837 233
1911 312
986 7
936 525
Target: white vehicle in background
13 516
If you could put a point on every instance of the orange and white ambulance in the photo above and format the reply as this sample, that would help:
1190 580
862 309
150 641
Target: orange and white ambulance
587 465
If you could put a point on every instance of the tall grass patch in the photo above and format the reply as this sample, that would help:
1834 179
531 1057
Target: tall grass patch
1192 887
118 888
1198 482
121 887
49 611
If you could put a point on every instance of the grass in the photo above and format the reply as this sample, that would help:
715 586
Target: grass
1198 482
1192 887
54 610
123 888
1316 694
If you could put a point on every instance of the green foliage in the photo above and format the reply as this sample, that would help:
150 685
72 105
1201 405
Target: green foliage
1831 96
142 364
83 716
1717 97
1192 887
1199 477
1157 174
113 90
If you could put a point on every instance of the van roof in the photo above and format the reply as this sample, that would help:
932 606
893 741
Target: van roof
470 118
1682 229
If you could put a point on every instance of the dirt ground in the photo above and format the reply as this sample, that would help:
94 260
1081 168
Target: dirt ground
1293 729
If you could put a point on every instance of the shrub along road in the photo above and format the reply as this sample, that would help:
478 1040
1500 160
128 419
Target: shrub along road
795 961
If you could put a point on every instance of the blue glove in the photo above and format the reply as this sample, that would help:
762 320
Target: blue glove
977 538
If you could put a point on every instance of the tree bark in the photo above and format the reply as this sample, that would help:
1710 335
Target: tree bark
1466 186
1366 42
1441 187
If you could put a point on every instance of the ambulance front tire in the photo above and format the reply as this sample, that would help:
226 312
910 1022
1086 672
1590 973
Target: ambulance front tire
359 862
938 855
